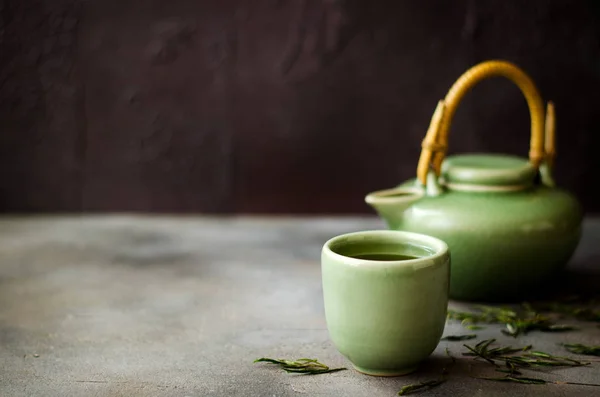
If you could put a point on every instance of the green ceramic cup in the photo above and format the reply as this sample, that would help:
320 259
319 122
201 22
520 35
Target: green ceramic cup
386 298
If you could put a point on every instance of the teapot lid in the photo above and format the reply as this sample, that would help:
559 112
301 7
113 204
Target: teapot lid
488 170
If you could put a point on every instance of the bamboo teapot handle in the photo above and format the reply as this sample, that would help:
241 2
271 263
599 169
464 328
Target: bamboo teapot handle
436 140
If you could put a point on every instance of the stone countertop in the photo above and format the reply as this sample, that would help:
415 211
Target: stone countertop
124 305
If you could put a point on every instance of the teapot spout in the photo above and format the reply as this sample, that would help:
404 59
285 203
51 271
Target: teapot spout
391 204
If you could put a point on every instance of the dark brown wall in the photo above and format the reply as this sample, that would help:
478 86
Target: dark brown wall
273 106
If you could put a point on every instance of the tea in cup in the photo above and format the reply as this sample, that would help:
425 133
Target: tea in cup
386 297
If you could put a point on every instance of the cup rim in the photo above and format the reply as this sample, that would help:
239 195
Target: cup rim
439 246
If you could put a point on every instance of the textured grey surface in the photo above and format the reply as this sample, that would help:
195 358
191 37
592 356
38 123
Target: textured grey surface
181 306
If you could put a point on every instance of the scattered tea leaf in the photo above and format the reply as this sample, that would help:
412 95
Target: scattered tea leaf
509 378
579 312
516 323
548 360
578 348
517 358
576 383
510 369
408 389
302 365
560 328
526 358
536 323
480 350
486 314
454 338
535 381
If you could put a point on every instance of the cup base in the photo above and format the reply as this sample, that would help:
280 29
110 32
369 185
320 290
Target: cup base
386 372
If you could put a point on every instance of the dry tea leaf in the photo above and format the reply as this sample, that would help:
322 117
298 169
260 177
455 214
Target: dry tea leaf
408 389
454 338
307 366
578 348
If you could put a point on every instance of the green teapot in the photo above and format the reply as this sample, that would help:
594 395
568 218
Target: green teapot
509 228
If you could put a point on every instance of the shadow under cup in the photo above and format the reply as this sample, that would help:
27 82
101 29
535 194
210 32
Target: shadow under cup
386 297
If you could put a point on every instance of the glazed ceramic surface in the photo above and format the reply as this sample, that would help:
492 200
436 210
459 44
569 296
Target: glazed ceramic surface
505 244
386 317
509 227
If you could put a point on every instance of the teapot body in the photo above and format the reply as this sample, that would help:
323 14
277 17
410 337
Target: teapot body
504 245
509 229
